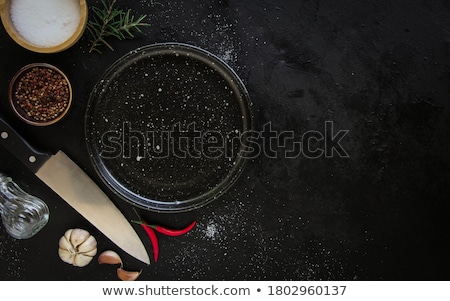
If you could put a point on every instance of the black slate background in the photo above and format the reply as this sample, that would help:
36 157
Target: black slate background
379 70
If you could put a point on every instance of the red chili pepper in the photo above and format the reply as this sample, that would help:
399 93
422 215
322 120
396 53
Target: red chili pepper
155 244
173 232
150 229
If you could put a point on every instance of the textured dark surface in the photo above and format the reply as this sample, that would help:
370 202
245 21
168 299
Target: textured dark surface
380 71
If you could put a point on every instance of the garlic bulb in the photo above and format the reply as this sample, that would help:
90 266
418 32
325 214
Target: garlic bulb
77 247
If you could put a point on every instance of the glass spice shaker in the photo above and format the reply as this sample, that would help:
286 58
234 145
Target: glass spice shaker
23 215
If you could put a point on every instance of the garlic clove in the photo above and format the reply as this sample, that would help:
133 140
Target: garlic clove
66 245
109 257
88 245
91 253
78 236
127 275
67 234
81 260
66 256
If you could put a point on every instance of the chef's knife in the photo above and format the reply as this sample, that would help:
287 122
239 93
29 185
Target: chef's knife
72 184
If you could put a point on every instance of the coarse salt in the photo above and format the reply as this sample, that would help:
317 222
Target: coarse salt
45 23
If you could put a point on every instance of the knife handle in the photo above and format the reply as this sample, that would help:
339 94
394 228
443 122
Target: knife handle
19 147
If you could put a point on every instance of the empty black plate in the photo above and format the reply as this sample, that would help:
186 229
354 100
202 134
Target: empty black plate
167 126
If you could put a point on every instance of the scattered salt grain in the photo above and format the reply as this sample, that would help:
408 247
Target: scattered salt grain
45 23
211 231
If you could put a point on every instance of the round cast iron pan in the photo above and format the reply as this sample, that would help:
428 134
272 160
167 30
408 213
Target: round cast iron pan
167 126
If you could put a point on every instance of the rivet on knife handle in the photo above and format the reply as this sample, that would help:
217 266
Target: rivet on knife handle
20 148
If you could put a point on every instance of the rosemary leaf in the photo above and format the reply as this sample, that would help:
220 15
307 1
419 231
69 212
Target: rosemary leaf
110 21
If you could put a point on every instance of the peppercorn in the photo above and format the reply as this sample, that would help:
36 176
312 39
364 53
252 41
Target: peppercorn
42 93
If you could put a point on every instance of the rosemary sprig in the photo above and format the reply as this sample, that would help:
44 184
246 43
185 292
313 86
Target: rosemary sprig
111 21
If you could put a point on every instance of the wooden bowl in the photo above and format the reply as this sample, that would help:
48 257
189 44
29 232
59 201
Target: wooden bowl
5 13
46 95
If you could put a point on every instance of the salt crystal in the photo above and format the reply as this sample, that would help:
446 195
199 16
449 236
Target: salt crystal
45 23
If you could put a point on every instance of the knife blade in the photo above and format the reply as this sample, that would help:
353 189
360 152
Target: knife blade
75 187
